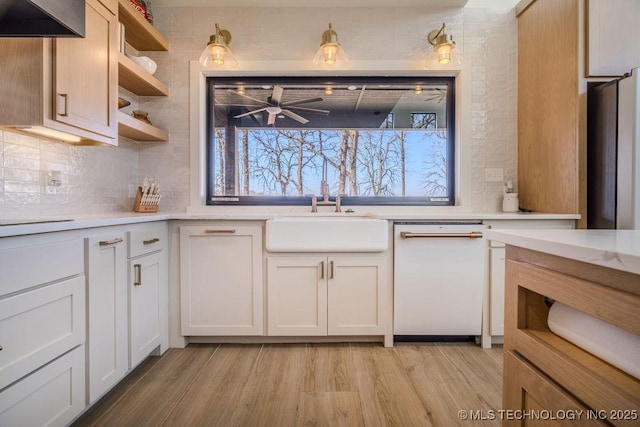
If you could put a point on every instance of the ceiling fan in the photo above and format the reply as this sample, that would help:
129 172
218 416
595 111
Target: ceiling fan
274 106
436 94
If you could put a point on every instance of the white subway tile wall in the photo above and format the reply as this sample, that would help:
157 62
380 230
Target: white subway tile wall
95 179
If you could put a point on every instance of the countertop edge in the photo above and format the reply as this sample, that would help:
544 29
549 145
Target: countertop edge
616 249
105 220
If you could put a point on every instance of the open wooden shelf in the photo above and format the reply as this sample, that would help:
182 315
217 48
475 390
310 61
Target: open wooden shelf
138 32
132 128
136 79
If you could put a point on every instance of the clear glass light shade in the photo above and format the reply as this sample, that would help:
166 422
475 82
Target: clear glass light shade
330 51
218 55
450 58
329 54
444 53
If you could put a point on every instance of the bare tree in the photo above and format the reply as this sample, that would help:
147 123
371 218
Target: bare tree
434 179
378 157
221 150
403 164
245 162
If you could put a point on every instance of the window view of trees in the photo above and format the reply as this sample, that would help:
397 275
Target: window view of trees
276 141
290 162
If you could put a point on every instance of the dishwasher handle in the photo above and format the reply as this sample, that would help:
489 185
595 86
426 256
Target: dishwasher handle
410 235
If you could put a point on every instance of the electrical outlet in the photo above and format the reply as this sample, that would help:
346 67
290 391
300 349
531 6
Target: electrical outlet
132 191
494 174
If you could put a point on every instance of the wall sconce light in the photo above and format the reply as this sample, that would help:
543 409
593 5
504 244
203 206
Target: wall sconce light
330 50
217 51
443 46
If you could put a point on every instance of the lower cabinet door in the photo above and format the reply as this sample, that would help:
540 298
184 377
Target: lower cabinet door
356 296
145 276
221 280
107 339
297 296
39 325
51 396
529 390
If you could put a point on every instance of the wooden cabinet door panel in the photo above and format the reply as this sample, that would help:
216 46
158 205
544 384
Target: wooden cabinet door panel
85 74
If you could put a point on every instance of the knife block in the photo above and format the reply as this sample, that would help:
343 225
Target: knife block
139 207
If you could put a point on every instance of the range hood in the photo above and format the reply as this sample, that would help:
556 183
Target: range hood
42 18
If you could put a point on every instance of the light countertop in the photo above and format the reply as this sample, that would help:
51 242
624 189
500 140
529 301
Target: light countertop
104 220
617 249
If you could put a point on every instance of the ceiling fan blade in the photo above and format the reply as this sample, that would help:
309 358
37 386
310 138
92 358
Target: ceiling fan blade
249 113
300 101
311 110
294 116
272 119
248 97
276 96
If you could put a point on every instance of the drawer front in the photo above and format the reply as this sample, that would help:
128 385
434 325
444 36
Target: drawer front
39 325
146 241
51 396
28 266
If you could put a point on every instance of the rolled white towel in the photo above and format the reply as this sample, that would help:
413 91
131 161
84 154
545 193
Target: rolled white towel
611 343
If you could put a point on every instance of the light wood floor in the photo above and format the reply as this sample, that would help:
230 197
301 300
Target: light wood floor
306 385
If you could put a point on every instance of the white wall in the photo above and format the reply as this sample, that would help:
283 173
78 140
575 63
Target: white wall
95 179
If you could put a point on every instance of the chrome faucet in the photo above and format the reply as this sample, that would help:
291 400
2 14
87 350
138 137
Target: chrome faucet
325 202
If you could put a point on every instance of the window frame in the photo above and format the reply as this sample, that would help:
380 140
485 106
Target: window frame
236 200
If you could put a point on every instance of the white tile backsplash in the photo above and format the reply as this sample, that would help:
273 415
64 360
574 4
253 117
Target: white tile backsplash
96 179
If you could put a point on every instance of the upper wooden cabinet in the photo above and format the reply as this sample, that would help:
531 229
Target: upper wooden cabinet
112 5
548 107
64 85
612 37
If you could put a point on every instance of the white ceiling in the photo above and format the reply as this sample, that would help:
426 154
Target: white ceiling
312 3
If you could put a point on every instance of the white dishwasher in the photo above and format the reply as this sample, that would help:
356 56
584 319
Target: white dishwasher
439 278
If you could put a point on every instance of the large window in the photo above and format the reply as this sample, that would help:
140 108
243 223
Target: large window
370 140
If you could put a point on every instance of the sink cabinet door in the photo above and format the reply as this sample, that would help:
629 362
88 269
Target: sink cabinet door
297 295
221 280
357 289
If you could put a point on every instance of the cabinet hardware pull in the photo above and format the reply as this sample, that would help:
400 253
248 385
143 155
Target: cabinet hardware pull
110 242
0 348
408 235
150 241
321 269
137 272
220 231
66 104
330 269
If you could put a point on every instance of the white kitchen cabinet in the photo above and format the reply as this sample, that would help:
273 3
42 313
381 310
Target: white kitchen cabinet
67 85
147 277
42 329
107 337
327 295
612 37
297 296
51 396
493 307
221 280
